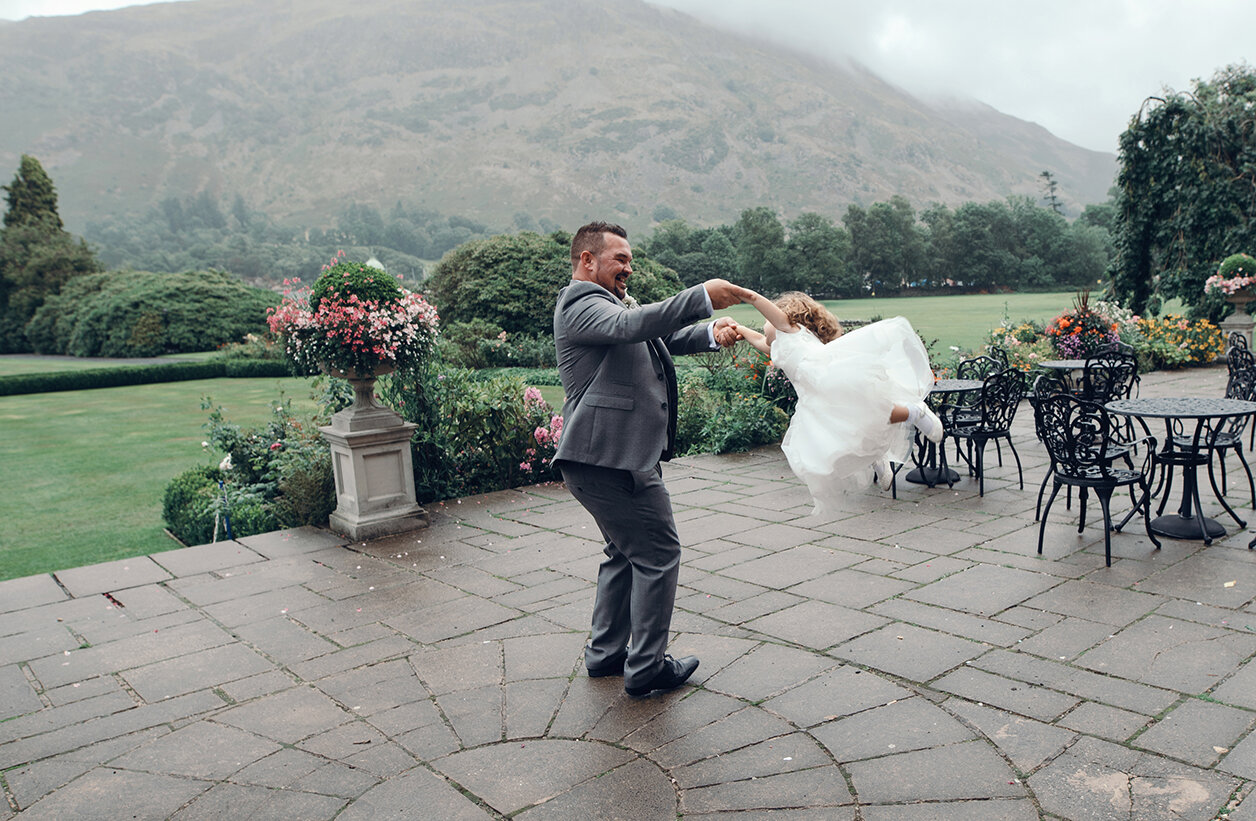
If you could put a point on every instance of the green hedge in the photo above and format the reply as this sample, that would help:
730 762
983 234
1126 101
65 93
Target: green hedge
139 375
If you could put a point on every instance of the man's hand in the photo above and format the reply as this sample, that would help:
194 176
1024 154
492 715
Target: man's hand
725 330
724 293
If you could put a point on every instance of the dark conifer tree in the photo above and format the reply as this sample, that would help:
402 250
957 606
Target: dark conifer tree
37 254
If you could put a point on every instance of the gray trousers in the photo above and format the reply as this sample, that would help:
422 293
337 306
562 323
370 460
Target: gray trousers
636 583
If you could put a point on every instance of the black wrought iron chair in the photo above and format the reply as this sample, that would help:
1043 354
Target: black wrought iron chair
1237 339
1077 435
1000 395
1109 375
1117 347
1239 357
961 409
1228 435
1047 384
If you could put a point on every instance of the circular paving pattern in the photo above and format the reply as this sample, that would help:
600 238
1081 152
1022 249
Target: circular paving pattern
768 727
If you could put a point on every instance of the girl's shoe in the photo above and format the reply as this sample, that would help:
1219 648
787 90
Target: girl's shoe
928 423
885 473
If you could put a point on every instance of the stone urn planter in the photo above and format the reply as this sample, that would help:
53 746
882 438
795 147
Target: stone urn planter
1240 321
1236 279
356 322
373 465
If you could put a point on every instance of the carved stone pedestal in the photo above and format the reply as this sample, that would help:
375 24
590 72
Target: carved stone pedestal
1240 320
370 453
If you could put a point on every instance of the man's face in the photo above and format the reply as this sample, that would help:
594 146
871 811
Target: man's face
612 266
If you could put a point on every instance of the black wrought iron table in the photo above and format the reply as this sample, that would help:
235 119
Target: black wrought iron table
1189 522
930 459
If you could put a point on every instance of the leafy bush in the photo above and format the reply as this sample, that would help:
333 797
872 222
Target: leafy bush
345 281
187 498
482 344
307 485
460 342
718 414
135 313
277 475
475 434
697 402
254 452
533 376
254 346
742 423
254 368
510 281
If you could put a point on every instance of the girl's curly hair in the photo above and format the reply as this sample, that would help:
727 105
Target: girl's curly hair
805 311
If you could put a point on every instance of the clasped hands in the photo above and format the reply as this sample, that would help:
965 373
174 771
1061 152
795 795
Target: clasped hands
724 294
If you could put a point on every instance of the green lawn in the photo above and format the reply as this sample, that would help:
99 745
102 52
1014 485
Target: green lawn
962 321
84 471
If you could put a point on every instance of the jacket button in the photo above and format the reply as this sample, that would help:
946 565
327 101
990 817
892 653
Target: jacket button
660 377
663 405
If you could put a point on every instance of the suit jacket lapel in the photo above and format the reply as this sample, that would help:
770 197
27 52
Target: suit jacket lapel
659 351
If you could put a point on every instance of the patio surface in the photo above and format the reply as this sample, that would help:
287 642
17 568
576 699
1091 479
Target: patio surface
909 659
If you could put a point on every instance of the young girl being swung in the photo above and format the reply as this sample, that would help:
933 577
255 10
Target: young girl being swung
853 391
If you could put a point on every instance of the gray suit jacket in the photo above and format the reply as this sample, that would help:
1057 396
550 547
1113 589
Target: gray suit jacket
618 375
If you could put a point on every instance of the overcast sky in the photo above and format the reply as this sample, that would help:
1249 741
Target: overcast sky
1080 68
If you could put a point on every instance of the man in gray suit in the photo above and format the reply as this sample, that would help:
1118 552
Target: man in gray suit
619 422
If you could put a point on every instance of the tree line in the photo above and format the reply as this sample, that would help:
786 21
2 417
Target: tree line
887 248
882 248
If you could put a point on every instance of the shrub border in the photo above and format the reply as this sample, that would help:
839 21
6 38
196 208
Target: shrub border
139 375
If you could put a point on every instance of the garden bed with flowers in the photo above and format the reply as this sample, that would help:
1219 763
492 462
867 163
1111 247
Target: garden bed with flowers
1169 341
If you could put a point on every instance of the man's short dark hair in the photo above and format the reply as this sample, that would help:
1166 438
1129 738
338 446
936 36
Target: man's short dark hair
592 238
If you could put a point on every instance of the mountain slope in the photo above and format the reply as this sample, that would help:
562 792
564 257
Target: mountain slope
565 109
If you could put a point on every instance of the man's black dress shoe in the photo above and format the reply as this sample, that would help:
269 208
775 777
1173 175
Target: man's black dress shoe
675 672
613 667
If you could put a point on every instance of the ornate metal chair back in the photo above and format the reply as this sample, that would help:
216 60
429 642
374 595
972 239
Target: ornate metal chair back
1239 357
1047 384
1076 433
1001 393
1240 385
1109 376
1118 347
979 367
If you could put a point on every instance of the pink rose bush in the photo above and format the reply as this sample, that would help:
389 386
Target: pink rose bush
540 456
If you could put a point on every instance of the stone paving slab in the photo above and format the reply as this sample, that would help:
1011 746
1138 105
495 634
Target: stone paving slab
907 656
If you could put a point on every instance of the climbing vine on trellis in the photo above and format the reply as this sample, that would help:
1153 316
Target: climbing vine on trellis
1186 195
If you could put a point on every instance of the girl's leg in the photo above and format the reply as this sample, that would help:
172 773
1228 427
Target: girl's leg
922 417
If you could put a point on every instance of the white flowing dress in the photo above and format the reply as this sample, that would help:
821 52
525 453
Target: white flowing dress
846 389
